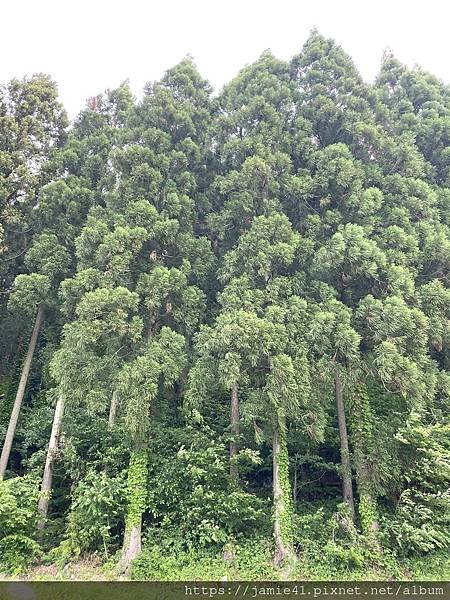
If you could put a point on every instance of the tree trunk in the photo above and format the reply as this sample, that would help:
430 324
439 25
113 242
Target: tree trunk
294 484
282 510
235 430
20 392
363 438
52 451
347 489
137 502
152 322
113 409
368 514
132 546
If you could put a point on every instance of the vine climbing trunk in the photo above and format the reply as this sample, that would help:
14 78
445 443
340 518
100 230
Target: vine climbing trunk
137 499
363 437
9 438
282 508
52 452
235 431
347 489
368 514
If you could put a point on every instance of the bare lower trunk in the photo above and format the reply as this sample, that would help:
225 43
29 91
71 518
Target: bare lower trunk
131 548
151 327
113 409
281 511
347 489
235 430
20 392
294 485
52 452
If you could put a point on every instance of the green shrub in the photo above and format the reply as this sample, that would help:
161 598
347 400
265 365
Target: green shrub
432 567
421 523
190 493
421 520
312 529
253 560
153 565
328 543
246 561
338 556
18 518
18 505
17 552
97 509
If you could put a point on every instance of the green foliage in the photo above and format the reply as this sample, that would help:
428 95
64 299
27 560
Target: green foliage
326 543
420 523
17 552
265 250
48 257
286 515
247 561
137 487
234 287
32 124
97 509
18 518
28 292
190 495
154 565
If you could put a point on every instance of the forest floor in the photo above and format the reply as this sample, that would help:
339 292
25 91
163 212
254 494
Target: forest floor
87 569
91 568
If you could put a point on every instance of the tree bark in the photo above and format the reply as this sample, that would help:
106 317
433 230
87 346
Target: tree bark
347 489
113 409
52 451
132 546
20 392
294 484
280 502
152 322
235 431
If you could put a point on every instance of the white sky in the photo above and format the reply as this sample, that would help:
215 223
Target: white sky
90 45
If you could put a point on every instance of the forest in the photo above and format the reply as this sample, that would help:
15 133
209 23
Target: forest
225 326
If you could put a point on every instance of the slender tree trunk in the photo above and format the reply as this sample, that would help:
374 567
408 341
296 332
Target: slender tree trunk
20 392
52 452
152 322
132 546
347 489
113 409
294 485
282 508
137 502
235 430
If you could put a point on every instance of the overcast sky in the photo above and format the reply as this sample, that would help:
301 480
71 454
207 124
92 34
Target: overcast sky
90 45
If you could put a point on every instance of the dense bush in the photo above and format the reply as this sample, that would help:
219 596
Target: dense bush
96 513
246 560
18 518
189 494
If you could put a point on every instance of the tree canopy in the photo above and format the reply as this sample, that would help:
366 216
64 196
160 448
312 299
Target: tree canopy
225 319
